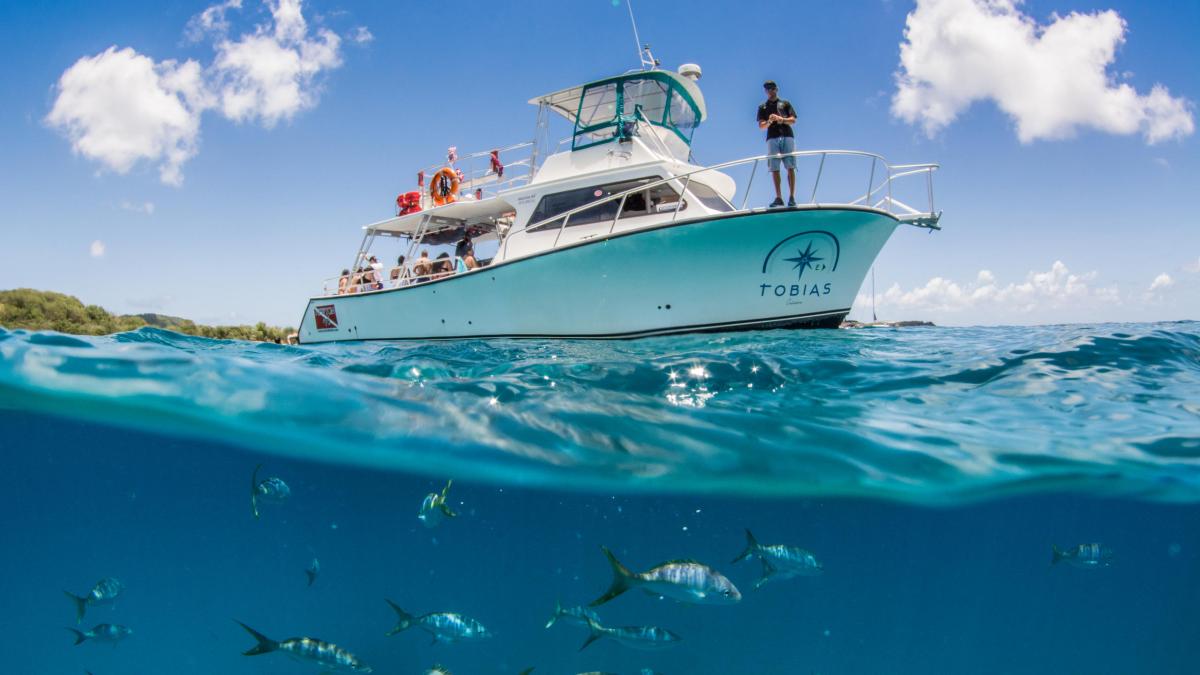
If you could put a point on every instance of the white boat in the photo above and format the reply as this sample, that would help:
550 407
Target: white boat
619 233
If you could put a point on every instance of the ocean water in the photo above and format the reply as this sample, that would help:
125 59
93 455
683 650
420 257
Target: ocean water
929 470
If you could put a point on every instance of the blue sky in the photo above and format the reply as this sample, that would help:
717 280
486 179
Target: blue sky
1068 184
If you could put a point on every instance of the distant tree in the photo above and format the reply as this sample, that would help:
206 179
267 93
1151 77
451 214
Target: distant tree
30 309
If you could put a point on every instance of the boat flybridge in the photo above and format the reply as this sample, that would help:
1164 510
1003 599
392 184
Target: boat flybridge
617 232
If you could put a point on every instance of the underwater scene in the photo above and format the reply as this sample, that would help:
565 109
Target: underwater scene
876 500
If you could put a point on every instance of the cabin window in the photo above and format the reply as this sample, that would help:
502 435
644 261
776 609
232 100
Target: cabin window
656 199
709 197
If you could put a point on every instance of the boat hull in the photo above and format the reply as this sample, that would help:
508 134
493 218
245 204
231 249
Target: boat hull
779 268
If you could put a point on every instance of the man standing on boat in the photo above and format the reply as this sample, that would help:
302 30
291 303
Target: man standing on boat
777 116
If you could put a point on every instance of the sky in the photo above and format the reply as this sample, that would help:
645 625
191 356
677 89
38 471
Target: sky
216 161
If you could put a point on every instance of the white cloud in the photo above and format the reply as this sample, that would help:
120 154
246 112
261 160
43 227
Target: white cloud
270 74
1051 79
97 249
211 20
120 108
145 207
362 35
1193 266
1053 289
1161 281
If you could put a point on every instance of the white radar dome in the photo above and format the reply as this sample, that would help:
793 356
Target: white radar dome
690 71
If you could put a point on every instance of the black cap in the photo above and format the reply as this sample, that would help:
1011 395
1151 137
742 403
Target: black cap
770 84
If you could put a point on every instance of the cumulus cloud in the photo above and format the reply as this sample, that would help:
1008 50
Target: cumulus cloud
269 75
1055 288
211 20
1051 79
362 35
121 107
97 249
1161 282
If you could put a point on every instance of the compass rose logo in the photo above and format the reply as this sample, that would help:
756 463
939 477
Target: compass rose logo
811 256
805 259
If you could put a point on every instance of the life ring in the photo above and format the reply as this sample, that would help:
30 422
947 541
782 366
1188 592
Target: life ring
444 186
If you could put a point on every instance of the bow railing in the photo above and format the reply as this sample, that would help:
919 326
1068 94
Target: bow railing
876 195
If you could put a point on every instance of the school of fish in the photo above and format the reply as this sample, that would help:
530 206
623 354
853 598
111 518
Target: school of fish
682 580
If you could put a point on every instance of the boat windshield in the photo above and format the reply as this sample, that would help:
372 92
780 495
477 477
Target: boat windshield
611 109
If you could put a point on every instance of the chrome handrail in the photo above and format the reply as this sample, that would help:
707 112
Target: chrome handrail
914 169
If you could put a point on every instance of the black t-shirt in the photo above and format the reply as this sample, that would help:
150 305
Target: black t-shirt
777 107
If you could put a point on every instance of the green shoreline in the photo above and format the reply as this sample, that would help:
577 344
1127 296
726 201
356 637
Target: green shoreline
29 309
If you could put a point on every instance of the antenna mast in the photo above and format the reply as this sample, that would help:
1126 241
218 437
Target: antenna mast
643 51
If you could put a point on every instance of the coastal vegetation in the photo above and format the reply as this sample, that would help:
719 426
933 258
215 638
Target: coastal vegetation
45 310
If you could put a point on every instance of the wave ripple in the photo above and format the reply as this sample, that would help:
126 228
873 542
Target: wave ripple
926 414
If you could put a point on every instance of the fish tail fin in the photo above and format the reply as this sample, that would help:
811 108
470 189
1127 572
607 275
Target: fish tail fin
265 644
80 636
254 491
622 579
767 570
594 635
80 606
404 620
444 506
557 612
751 547
1056 554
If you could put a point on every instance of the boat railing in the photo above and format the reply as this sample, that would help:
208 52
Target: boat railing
479 180
878 194
395 276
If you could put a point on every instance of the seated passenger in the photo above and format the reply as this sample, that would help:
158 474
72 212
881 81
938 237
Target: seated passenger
376 271
344 283
442 267
422 268
399 273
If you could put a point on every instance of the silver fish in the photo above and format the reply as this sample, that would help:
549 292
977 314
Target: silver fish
102 632
1087 556
271 490
104 592
438 670
313 571
638 637
445 627
780 560
325 654
682 580
434 507
579 615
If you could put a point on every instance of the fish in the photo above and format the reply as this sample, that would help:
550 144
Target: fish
102 632
438 670
683 580
313 571
780 560
447 627
578 615
104 592
434 507
270 490
638 637
325 654
1087 556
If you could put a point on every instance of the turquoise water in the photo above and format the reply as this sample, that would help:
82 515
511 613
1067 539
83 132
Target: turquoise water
929 470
